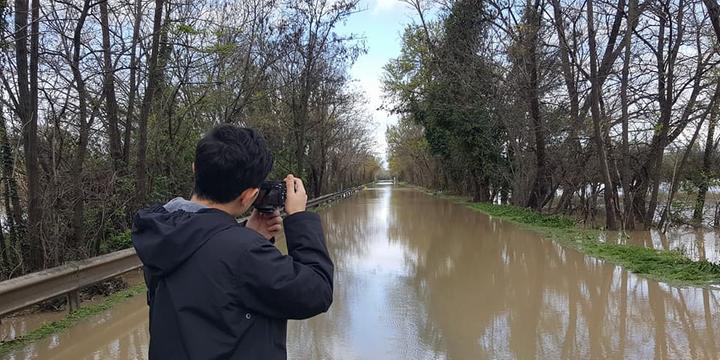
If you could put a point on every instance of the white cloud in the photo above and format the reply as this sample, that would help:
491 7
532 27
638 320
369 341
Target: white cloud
372 87
385 5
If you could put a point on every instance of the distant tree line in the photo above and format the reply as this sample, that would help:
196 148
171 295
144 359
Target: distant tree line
576 107
102 103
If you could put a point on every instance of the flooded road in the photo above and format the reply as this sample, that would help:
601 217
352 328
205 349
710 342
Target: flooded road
418 277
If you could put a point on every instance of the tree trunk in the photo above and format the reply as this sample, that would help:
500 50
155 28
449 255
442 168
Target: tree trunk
666 95
714 11
109 93
147 103
78 197
572 165
610 205
626 175
33 254
541 184
130 116
675 182
5 158
706 171
481 189
568 74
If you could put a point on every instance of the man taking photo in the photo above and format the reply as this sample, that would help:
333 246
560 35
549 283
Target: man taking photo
218 289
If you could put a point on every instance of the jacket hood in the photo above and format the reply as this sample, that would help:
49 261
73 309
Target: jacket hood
165 236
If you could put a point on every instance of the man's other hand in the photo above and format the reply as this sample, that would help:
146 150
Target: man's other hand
267 225
296 198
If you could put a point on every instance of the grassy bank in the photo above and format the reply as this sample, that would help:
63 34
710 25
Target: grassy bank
671 266
70 320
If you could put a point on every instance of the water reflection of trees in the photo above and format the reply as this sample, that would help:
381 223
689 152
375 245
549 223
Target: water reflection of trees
697 244
491 288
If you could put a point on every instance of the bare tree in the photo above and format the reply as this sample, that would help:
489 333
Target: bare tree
27 90
153 81
609 194
109 93
529 38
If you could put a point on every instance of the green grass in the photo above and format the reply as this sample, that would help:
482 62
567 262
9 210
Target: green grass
70 320
525 216
670 266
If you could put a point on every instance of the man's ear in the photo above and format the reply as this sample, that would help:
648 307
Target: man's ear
247 197
193 167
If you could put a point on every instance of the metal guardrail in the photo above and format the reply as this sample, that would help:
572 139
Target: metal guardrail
68 279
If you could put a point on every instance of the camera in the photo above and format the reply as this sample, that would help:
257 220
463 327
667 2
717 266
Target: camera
271 196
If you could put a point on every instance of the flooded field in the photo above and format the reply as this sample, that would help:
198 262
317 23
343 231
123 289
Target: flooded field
697 244
418 277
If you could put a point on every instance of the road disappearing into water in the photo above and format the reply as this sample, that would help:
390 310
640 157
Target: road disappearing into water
418 277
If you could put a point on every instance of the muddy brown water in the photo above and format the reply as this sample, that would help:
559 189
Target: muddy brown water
421 278
27 320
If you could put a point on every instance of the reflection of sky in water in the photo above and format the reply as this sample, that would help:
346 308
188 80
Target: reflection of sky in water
383 255
379 310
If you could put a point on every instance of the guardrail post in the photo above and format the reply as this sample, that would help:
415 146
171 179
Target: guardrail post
73 299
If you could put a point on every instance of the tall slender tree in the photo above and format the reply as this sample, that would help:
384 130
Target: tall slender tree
111 104
153 80
598 125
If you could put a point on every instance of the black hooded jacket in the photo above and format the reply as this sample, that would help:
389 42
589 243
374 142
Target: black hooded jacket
218 290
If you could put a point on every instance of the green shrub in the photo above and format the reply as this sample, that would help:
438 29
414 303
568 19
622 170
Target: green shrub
115 242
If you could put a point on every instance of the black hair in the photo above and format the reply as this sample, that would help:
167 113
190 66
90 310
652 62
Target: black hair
229 160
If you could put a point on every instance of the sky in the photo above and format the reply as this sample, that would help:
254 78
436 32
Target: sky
380 23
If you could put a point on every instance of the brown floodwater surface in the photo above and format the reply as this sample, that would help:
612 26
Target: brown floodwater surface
418 277
120 333
27 320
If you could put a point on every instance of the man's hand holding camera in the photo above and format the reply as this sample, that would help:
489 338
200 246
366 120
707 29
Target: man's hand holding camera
269 224
266 224
296 199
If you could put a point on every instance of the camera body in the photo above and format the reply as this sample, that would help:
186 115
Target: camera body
271 196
